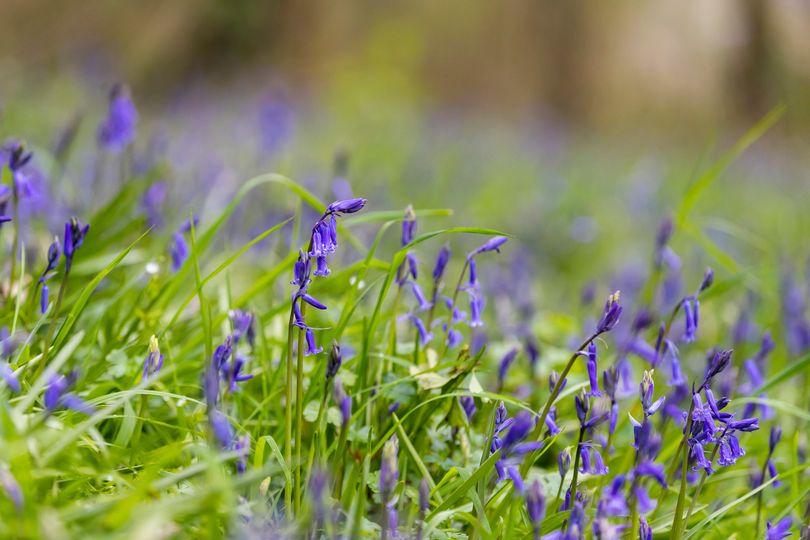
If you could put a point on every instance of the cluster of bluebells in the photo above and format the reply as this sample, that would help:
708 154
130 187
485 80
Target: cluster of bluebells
59 395
711 425
513 445
227 365
75 233
323 242
7 346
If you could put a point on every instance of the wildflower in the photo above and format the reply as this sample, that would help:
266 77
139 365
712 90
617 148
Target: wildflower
58 395
424 305
563 462
344 401
535 506
646 389
425 337
513 449
610 315
242 447
477 300
117 130
179 249
424 505
12 488
441 263
243 325
780 530
553 380
493 244
610 380
468 405
232 372
389 475
220 427
16 157
504 364
154 359
75 234
718 362
590 355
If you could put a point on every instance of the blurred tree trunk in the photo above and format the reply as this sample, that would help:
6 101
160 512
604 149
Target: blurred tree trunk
751 80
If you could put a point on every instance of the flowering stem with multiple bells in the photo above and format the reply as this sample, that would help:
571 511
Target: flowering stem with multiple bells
453 302
678 523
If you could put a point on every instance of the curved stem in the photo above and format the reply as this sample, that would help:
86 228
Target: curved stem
759 495
52 327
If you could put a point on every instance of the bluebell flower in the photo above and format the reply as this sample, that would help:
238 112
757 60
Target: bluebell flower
646 389
535 506
12 489
503 366
563 462
243 325
553 379
590 355
424 305
344 401
513 448
154 359
644 530
117 130
152 203
75 234
592 462
334 361
551 422
179 249
389 476
493 244
718 361
610 314
425 336
454 338
441 263
780 530
220 427
468 405
15 155
58 395
231 372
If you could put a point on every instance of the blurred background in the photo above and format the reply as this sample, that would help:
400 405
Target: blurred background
575 125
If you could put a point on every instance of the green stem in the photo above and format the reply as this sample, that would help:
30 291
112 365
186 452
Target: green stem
340 456
541 422
573 488
700 485
453 302
52 327
678 523
759 495
288 418
299 413
316 436
15 244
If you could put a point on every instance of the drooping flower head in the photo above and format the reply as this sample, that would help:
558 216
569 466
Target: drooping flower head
58 395
535 506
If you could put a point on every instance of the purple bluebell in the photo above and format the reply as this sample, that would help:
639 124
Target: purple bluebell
241 446
646 390
152 203
553 379
153 361
243 325
590 355
718 361
344 401
424 305
535 506
610 381
780 530
425 336
493 244
592 462
231 372
75 234
454 338
15 155
58 395
551 422
503 366
220 428
117 130
9 376
794 315
441 263
12 489
513 448
468 405
477 303
532 349
691 310
563 462
610 314
389 476
582 404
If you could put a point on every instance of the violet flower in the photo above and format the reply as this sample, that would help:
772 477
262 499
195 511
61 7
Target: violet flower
58 395
117 130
